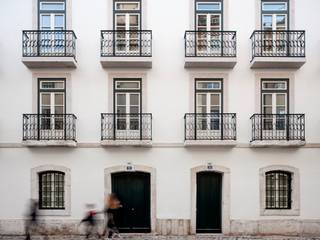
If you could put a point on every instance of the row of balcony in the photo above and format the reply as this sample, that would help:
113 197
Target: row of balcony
124 49
136 129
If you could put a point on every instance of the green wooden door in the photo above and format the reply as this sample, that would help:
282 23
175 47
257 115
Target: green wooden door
209 195
133 190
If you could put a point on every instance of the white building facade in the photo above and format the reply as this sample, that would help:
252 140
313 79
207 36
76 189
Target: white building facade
200 114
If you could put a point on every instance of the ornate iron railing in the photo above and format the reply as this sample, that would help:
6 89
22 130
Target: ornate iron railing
278 127
210 43
116 43
210 126
116 126
53 43
278 44
49 127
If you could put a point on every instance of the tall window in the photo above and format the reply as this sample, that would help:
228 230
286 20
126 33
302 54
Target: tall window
51 190
51 103
127 103
52 15
209 103
278 190
275 15
127 19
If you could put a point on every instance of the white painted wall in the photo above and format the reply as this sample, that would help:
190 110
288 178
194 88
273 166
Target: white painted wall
168 99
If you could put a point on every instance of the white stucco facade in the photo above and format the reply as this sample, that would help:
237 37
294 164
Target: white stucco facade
167 93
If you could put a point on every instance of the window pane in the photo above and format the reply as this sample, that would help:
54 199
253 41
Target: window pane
267 99
202 20
215 99
52 85
128 6
134 99
214 6
59 99
215 21
121 20
274 6
59 22
52 6
134 20
274 85
45 22
127 85
45 99
267 22
281 99
121 99
209 85
202 99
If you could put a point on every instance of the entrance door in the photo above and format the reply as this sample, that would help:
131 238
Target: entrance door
133 190
209 42
209 200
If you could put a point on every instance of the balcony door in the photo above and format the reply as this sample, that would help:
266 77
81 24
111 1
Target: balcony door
274 107
52 107
209 20
275 21
52 22
127 17
127 108
208 108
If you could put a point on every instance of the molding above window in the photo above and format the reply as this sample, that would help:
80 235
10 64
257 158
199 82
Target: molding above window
67 186
295 194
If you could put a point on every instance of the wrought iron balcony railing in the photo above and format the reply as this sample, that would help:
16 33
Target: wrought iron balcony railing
131 43
210 44
278 44
53 43
117 126
211 126
58 127
278 127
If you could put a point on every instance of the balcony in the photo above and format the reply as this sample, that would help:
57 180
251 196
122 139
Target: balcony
212 129
42 130
126 129
277 130
49 49
210 49
126 49
278 49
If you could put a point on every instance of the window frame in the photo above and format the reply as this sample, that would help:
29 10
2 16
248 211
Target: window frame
286 12
220 91
40 174
64 91
263 91
196 12
115 11
289 190
40 12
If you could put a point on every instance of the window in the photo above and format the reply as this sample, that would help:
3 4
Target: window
275 15
278 190
127 104
208 15
52 15
51 190
51 103
208 103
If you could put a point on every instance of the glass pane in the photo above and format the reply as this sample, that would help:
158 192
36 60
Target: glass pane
214 6
58 110
215 21
267 99
121 109
274 6
52 85
202 20
215 110
134 20
281 99
267 22
59 22
202 99
45 99
281 110
59 99
45 22
201 109
209 85
45 110
121 99
127 85
52 6
121 20
281 22
134 109
274 85
134 99
128 6
267 110
215 99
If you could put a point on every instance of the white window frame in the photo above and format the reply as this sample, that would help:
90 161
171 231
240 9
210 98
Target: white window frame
46 2
270 3
275 89
117 9
199 88
122 81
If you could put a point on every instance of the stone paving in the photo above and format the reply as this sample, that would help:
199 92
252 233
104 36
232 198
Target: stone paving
139 237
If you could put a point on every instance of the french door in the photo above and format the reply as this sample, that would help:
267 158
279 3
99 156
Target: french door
52 42
52 110
275 42
208 114
128 39
209 42
128 115
275 109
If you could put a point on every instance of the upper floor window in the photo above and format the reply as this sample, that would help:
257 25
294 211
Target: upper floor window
275 15
208 15
51 190
127 15
278 190
52 15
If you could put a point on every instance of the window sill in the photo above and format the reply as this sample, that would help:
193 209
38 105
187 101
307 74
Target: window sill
54 212
280 212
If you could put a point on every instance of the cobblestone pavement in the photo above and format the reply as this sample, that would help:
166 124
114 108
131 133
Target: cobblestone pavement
136 237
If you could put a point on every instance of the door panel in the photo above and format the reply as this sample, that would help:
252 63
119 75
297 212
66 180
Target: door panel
133 190
209 200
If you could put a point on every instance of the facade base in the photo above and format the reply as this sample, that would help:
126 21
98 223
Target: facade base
50 143
277 143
